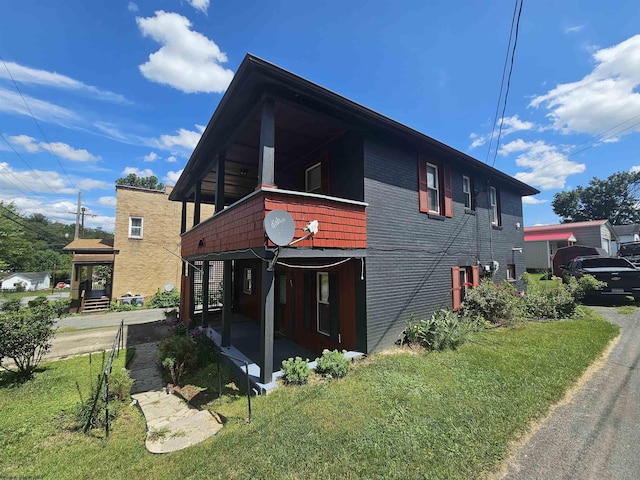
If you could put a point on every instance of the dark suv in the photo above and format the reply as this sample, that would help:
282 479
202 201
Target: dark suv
621 277
630 251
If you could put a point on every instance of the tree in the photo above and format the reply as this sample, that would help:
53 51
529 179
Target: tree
615 199
15 248
133 180
25 336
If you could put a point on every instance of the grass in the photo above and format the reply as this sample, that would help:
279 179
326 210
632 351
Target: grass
537 283
37 293
443 415
626 309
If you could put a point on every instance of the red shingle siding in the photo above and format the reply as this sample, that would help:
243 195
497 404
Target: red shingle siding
341 225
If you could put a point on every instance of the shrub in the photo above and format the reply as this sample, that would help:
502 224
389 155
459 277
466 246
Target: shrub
180 349
11 305
584 286
120 384
165 299
61 307
88 415
497 304
554 303
333 364
25 336
295 371
38 302
206 352
444 330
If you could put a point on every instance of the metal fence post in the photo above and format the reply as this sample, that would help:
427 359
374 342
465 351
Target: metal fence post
246 368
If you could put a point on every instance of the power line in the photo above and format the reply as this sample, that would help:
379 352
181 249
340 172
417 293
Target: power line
506 94
504 71
37 123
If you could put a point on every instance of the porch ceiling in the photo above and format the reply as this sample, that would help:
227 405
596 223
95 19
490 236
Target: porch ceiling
297 133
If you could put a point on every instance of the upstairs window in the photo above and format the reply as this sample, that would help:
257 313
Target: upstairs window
466 189
494 207
135 227
434 187
313 178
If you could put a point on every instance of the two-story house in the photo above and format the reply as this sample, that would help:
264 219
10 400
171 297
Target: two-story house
406 223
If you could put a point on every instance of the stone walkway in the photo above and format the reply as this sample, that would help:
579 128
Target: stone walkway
171 423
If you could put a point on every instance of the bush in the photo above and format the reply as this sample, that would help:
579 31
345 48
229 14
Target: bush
554 304
61 307
165 299
584 286
206 352
444 330
498 304
85 413
295 371
120 384
121 307
181 352
333 364
11 305
25 336
38 302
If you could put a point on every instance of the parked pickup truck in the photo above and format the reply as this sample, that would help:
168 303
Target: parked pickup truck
622 277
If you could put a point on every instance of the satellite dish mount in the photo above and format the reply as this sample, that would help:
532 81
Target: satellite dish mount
279 228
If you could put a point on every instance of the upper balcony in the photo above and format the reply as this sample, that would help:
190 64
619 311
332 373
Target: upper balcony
342 223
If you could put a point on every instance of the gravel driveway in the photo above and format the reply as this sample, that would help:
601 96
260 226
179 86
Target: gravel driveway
597 434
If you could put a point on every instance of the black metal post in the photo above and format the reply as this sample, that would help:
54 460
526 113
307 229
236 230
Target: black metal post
246 368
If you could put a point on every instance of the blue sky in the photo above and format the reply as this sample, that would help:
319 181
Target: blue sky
118 86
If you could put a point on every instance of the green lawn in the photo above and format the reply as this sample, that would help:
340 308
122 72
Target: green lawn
537 283
430 415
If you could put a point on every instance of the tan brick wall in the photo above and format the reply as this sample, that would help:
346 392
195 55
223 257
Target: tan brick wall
142 266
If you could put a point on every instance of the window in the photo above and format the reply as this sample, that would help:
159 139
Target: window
432 188
313 178
466 189
511 271
463 278
248 281
494 206
135 227
322 295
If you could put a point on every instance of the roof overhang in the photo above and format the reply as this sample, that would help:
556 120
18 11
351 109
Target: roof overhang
549 237
93 258
256 78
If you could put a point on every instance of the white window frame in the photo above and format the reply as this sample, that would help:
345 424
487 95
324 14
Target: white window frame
493 205
319 301
511 271
466 189
310 188
247 281
433 188
131 227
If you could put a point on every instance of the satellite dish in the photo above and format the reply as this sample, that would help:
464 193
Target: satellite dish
168 287
279 227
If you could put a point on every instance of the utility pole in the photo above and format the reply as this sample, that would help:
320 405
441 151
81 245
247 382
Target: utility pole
78 216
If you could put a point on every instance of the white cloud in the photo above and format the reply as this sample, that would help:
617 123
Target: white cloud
635 168
509 125
533 200
172 159
604 98
22 74
36 181
201 5
172 177
12 102
87 184
132 7
574 29
187 60
147 172
185 140
478 140
548 167
107 201
60 149
152 157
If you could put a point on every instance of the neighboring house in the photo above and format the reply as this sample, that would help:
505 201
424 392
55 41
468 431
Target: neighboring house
542 241
627 233
29 281
146 242
406 223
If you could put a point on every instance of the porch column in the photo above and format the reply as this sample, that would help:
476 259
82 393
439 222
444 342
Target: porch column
205 292
266 167
226 303
192 291
266 325
220 181
196 204
183 228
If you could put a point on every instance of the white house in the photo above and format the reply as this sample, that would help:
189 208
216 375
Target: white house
30 281
627 233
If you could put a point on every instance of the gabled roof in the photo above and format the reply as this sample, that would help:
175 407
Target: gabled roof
549 236
563 227
626 229
255 77
90 245
30 276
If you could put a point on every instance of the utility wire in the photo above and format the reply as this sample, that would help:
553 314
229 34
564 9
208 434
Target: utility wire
37 123
506 93
504 71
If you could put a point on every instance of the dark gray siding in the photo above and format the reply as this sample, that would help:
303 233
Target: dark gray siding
410 255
